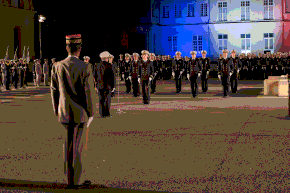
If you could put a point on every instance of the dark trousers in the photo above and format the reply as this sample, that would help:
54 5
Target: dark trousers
7 82
15 81
25 78
127 82
145 90
178 82
122 70
193 84
153 84
164 74
104 102
234 82
73 149
21 78
204 81
136 88
225 83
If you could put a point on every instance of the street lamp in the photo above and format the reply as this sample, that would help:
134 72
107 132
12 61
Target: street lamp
41 19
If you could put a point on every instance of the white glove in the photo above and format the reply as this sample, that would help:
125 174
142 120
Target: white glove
238 71
150 78
231 74
188 76
219 76
113 90
276 68
181 72
123 75
198 74
173 74
207 72
130 78
89 121
139 80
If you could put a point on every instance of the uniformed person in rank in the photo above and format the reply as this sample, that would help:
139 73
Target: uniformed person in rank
26 71
178 69
50 66
224 72
135 74
259 67
21 72
169 66
114 68
2 66
146 74
105 84
38 71
152 58
192 72
185 63
121 66
204 64
234 71
163 71
7 74
15 74
45 72
126 75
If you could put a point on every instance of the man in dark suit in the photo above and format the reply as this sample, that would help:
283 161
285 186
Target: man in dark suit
72 93
204 63
192 70
178 69
106 82
234 69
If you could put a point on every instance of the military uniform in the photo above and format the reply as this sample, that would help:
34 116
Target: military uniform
169 67
178 69
45 72
224 73
21 72
121 67
15 74
233 63
185 63
34 71
38 71
7 75
106 82
155 77
127 66
135 74
163 68
192 70
146 75
204 70
3 69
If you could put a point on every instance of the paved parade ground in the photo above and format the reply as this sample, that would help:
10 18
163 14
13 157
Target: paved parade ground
177 143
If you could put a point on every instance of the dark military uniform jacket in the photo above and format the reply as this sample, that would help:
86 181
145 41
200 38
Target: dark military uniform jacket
193 66
224 67
105 76
146 69
127 66
178 65
135 69
121 65
234 65
204 64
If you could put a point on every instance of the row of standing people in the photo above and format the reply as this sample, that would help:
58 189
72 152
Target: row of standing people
131 71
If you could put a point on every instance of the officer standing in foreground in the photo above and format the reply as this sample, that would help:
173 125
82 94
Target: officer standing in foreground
224 72
234 71
192 70
178 69
105 84
146 74
152 58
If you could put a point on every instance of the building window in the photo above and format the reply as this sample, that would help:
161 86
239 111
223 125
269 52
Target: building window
172 43
269 41
197 43
245 10
287 6
223 41
203 8
222 11
177 11
246 43
190 10
165 11
268 9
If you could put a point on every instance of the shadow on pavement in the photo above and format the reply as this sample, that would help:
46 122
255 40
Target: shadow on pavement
287 117
23 92
40 187
244 92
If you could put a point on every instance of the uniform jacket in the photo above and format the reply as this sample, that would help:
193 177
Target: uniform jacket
193 67
127 66
106 78
234 64
204 64
135 69
72 90
38 69
178 65
146 69
45 69
225 67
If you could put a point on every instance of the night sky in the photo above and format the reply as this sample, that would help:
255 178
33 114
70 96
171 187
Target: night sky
101 26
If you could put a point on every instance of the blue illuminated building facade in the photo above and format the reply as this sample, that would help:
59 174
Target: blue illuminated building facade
213 25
